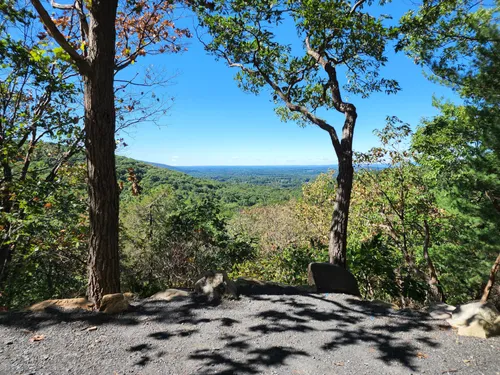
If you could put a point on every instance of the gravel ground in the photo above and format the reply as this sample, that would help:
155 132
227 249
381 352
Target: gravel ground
267 334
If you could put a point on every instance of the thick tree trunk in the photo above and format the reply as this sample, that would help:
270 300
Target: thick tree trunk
103 263
491 279
337 248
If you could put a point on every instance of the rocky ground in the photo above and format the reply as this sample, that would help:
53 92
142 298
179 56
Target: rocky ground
265 334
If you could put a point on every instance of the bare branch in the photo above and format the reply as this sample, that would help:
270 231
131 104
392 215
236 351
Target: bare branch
356 6
73 149
84 26
62 6
80 61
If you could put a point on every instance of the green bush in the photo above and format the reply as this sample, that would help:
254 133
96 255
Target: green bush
287 266
170 239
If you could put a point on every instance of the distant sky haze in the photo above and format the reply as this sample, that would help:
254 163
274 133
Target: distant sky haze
213 122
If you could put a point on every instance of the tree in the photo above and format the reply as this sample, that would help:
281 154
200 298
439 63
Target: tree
98 55
336 37
459 40
396 203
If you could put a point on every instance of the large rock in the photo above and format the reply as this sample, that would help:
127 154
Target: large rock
170 294
63 304
476 319
248 286
440 311
214 285
330 278
114 303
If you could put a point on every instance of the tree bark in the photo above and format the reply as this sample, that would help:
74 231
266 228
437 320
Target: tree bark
491 279
337 247
103 263
97 68
433 281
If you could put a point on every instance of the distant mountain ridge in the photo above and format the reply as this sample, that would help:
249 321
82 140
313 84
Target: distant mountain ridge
287 176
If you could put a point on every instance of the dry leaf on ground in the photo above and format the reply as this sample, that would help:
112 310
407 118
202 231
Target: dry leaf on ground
37 338
422 355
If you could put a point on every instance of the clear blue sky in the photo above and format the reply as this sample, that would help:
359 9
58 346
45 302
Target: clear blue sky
213 122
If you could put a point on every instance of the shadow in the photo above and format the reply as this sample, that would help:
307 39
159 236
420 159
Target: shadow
138 348
257 359
354 322
158 311
244 343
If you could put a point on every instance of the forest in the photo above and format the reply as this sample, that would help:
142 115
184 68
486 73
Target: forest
416 219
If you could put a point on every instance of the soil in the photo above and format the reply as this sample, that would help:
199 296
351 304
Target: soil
308 334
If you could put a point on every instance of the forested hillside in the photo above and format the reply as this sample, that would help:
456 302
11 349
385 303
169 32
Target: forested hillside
232 195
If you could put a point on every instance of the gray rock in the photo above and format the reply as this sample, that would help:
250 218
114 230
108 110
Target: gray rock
330 278
170 294
214 285
440 311
476 319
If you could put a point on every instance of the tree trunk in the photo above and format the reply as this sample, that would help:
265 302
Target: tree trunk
433 281
491 279
103 263
337 247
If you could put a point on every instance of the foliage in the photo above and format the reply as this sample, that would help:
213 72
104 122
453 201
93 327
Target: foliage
232 196
287 265
50 230
169 239
40 220
460 147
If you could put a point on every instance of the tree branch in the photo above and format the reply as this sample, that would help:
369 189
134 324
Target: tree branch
73 149
84 26
356 6
62 6
80 61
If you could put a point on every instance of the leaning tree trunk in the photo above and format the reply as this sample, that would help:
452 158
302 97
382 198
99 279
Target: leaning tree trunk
491 279
103 263
337 246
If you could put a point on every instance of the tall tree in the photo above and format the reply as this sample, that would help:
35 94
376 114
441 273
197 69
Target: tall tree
335 37
459 41
142 27
399 209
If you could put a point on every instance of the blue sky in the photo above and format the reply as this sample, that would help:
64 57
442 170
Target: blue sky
213 122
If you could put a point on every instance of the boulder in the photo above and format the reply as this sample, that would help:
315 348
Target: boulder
169 295
248 286
63 304
114 303
476 319
214 285
330 278
440 311
130 296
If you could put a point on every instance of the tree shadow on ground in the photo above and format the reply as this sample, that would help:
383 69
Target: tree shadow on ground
355 322
160 311
247 350
255 359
